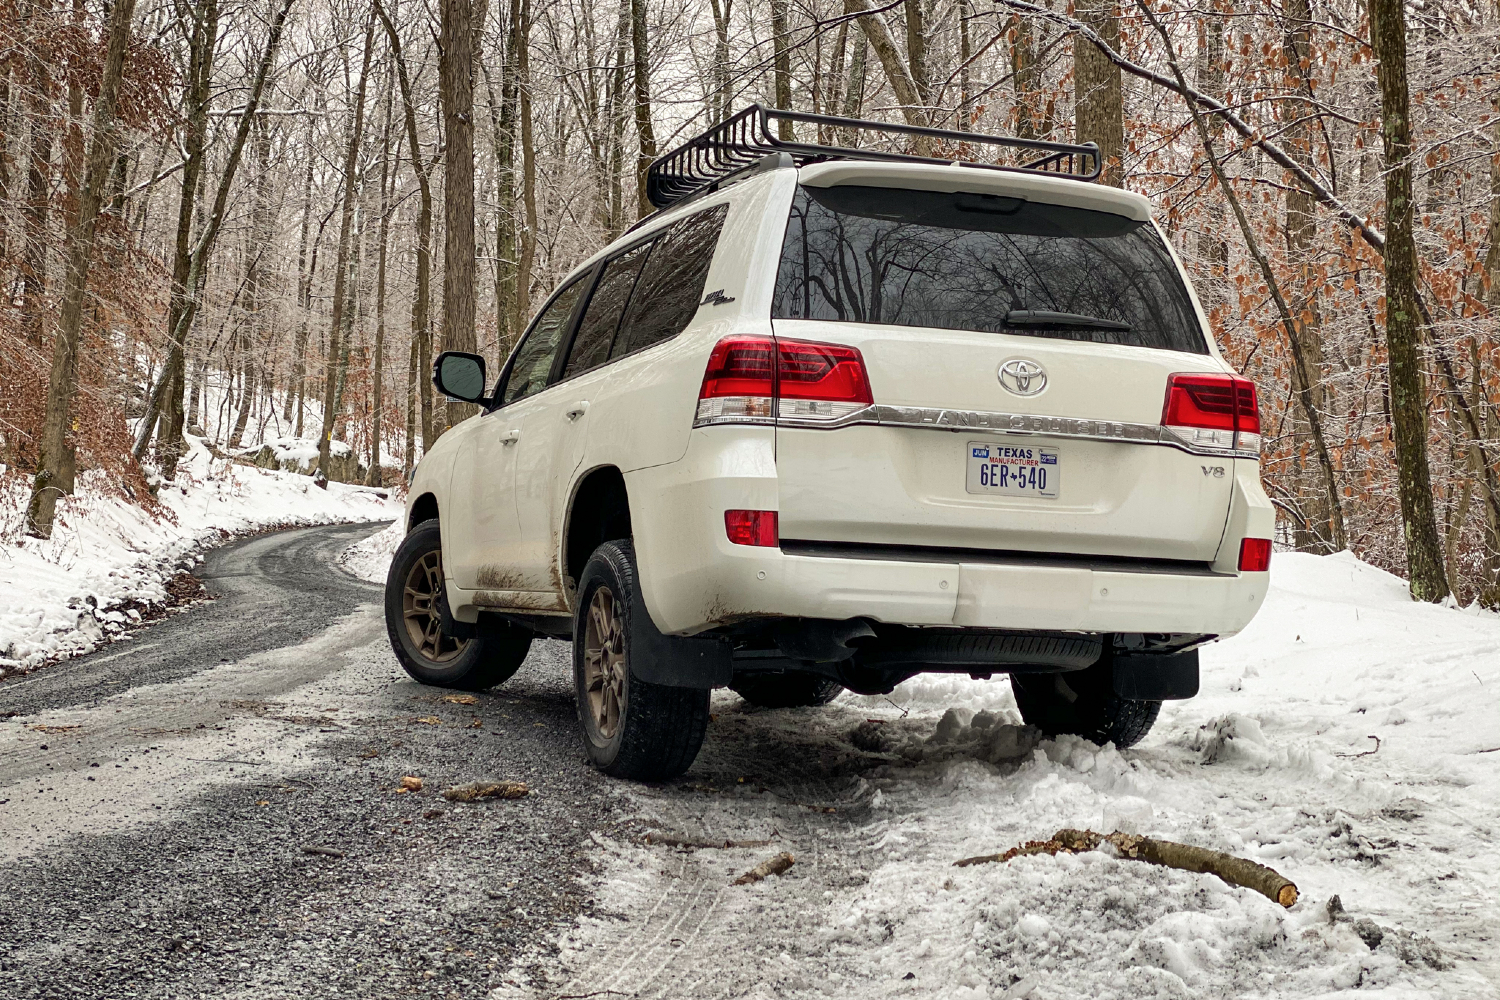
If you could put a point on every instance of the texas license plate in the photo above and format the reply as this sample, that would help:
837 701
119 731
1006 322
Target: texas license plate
1013 468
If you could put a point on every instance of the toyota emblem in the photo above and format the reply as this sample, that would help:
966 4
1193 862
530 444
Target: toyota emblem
1023 377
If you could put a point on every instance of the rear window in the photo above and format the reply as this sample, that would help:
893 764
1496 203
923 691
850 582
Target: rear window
981 262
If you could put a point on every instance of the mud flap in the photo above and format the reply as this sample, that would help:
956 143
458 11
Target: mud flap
1169 677
674 660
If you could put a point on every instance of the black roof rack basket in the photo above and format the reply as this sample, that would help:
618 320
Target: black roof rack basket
742 141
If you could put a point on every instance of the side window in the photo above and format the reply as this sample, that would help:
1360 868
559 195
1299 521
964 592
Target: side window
671 284
596 331
533 364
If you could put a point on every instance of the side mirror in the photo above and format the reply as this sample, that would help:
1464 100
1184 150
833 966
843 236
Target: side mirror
459 376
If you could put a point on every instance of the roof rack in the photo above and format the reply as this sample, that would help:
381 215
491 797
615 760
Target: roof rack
741 142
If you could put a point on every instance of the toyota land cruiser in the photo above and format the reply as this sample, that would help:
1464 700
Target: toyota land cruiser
833 417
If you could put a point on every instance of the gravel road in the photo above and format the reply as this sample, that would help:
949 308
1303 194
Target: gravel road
158 797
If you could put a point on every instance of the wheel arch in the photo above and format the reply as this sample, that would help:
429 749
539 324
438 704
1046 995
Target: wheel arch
423 508
599 511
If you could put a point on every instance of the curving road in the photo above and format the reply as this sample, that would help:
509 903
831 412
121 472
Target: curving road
157 800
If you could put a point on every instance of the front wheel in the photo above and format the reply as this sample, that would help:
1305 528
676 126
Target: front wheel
413 619
1083 703
631 728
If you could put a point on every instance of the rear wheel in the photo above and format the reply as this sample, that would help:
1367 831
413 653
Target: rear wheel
792 689
1083 703
631 728
414 599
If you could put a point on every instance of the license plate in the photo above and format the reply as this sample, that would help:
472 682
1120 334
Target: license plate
1012 468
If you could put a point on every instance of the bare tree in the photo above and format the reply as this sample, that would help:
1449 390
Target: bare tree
63 382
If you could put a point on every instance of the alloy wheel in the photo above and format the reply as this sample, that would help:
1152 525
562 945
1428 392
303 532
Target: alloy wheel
424 582
604 662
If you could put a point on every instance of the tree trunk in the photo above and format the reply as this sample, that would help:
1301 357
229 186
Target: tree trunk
456 74
169 441
421 327
62 383
1403 329
723 94
34 210
255 342
295 390
854 86
409 453
336 355
1314 533
916 50
528 169
642 102
377 365
1098 103
782 67
1213 248
1031 118
503 122
897 72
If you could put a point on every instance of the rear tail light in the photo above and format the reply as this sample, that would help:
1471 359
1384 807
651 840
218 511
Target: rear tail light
806 382
1255 555
752 527
1213 412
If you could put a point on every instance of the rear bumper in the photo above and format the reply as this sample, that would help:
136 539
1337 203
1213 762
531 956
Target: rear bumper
694 578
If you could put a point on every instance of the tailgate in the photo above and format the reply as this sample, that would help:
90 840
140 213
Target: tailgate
943 411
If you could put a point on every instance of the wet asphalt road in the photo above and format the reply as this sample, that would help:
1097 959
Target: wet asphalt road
157 799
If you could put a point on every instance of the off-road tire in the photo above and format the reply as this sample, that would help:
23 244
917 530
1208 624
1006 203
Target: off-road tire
1083 703
792 689
657 730
463 664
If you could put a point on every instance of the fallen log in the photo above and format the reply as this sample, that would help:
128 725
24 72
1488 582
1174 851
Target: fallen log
774 866
487 790
1184 857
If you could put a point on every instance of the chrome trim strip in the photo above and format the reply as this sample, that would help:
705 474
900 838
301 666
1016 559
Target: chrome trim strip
934 418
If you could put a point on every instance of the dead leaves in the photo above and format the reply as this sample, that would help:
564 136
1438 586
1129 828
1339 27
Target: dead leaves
460 699
477 790
428 720
410 783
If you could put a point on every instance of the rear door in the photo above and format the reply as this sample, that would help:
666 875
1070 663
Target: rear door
1018 356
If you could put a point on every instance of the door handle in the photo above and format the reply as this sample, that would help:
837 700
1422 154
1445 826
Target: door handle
577 410
511 436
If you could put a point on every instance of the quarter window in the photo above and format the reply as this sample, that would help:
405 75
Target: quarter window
670 288
596 331
532 367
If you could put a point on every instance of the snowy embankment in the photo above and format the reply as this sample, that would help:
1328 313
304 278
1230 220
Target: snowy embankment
1276 760
60 597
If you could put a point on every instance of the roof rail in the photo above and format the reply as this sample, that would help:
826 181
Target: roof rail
740 141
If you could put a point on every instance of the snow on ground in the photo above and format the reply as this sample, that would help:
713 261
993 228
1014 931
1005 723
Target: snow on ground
370 557
1273 761
56 595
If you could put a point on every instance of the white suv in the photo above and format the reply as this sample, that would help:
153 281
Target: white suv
832 418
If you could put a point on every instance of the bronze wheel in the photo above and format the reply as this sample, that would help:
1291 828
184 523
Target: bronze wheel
419 609
604 662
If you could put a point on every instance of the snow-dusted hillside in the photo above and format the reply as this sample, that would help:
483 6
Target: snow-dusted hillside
55 594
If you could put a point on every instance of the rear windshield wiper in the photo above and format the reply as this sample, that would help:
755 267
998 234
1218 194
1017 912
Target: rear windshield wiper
1043 317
